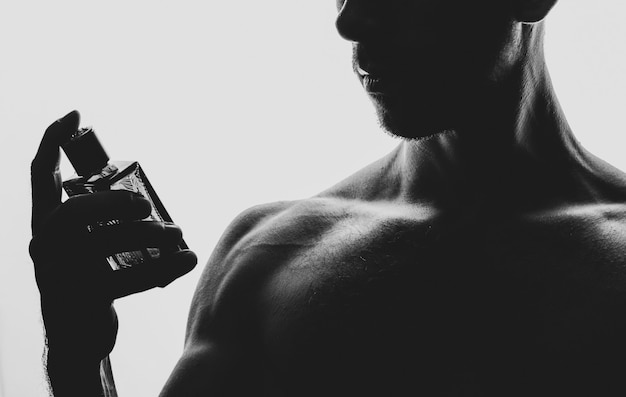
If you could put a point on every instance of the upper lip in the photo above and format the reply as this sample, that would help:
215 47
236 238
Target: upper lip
371 69
370 63
362 72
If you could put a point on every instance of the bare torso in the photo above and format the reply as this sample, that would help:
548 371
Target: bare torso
335 296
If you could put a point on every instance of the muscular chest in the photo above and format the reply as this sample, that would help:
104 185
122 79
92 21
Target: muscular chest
544 267
476 295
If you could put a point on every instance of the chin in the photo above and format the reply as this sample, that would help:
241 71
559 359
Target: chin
414 121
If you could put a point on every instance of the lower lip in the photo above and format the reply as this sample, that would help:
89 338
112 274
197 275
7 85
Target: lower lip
374 85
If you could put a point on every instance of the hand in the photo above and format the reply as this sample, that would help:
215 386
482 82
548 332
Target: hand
76 284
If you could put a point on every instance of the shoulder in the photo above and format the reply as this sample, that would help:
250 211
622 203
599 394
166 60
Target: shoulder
263 240
249 220
237 236
586 217
591 235
276 223
218 338
255 243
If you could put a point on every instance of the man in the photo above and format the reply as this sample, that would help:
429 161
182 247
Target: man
482 257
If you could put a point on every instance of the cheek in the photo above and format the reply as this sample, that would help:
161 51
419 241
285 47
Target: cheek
474 48
450 21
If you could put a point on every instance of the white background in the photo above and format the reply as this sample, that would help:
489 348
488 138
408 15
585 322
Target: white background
226 104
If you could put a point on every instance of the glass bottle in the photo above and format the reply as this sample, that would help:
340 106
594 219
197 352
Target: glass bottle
96 172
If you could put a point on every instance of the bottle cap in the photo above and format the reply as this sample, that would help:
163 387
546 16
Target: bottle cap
85 152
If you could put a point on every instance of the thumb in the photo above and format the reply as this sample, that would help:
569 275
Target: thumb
44 171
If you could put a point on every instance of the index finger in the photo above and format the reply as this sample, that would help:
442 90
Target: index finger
44 171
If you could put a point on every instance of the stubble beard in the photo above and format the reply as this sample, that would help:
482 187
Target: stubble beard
408 120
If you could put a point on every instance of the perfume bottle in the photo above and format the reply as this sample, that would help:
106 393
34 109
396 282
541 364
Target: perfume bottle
96 172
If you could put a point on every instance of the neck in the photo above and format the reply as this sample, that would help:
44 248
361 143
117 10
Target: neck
514 144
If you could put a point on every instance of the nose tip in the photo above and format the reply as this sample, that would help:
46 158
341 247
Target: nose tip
356 22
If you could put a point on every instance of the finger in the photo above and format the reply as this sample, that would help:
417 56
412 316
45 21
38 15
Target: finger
80 211
132 236
45 175
157 273
88 246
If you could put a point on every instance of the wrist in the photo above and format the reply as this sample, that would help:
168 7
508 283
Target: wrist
84 336
70 375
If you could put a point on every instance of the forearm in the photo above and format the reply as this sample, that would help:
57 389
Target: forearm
75 346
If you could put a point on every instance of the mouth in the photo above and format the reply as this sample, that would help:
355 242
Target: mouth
373 83
382 69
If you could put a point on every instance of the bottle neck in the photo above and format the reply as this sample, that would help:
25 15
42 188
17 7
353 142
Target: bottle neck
105 173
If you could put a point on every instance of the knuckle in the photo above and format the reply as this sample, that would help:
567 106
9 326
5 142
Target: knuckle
42 249
164 283
174 232
33 247
74 201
